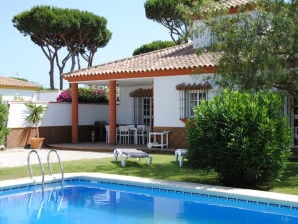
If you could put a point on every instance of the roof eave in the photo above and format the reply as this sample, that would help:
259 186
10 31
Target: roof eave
19 87
141 74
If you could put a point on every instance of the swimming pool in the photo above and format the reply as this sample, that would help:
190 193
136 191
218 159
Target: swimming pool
89 199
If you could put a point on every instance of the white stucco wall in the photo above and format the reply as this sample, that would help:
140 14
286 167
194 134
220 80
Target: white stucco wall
89 113
125 108
48 95
166 106
166 98
17 94
201 35
57 114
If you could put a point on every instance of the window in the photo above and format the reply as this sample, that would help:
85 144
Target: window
143 110
191 96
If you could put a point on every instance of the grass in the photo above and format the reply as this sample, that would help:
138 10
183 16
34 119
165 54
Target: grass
163 167
288 183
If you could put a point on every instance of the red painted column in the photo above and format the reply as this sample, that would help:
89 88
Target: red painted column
112 112
75 114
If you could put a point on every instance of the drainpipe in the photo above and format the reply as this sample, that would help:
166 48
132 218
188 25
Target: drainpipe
112 112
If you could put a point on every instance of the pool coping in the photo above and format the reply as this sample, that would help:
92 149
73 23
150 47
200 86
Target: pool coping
248 195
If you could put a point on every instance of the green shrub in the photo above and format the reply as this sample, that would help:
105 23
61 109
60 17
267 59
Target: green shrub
85 96
244 137
155 45
3 121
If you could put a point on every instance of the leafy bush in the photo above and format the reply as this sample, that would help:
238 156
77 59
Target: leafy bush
155 45
85 96
35 115
3 121
64 96
244 137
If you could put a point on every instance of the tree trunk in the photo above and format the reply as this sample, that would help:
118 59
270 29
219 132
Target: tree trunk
50 54
51 74
37 131
61 67
73 61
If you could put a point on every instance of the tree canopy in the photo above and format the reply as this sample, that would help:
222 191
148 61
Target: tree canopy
81 33
170 14
155 45
258 47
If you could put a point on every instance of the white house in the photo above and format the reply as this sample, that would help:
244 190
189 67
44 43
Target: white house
158 89
14 89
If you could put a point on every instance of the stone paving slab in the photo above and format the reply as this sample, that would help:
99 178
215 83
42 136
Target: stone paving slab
18 156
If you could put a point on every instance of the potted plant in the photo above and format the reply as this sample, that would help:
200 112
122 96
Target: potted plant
35 117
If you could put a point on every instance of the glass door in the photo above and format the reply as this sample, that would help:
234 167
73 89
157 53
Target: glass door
143 111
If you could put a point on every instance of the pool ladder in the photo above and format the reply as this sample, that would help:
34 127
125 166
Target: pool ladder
49 165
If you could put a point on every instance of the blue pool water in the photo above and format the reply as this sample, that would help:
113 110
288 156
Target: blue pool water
103 202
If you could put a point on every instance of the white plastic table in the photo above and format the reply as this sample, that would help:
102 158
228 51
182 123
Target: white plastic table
164 139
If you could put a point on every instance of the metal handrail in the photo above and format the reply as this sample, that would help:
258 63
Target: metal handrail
60 164
40 164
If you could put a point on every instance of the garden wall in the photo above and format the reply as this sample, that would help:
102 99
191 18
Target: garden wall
56 124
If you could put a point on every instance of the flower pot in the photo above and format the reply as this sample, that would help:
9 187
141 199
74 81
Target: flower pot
36 143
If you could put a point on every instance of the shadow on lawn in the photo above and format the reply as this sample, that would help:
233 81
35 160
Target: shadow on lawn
289 176
164 167
165 171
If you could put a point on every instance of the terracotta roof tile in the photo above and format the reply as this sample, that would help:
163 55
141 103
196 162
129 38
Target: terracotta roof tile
178 57
195 86
7 82
231 3
141 93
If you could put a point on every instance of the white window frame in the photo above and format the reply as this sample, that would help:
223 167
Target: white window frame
190 98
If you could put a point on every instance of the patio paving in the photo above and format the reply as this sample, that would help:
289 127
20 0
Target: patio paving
13 157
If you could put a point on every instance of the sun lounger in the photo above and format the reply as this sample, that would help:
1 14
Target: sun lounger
180 155
124 154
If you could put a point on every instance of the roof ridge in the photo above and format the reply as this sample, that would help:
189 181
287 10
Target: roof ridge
131 57
181 58
227 4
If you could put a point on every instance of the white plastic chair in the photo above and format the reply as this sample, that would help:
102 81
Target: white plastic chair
124 134
180 155
133 133
142 133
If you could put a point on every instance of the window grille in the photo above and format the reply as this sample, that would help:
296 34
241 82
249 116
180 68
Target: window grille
191 96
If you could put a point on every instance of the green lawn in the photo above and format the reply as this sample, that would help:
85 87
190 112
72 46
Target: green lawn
163 167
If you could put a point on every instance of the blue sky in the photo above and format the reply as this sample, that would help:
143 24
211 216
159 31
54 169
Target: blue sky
20 57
